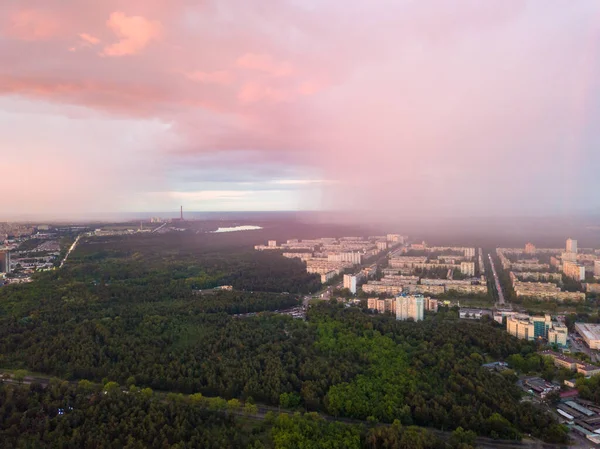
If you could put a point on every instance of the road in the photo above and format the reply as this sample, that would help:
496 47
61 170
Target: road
160 227
497 282
73 246
264 409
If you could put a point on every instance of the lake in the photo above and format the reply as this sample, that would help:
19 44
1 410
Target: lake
238 228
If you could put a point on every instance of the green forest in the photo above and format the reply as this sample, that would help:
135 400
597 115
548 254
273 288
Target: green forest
64 415
127 310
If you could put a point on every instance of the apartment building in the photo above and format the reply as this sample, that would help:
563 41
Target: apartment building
382 305
410 307
521 327
468 268
574 270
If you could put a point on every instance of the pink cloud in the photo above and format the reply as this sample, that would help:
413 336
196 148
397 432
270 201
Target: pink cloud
135 33
264 63
440 90
32 25
254 92
222 77
86 41
89 39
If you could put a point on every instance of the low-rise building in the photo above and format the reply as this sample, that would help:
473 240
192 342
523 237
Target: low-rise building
572 364
382 305
326 277
590 334
473 314
541 387
592 288
431 305
545 290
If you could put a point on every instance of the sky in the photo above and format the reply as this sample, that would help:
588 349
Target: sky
399 107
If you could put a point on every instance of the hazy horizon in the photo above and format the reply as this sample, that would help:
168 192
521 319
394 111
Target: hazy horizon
393 109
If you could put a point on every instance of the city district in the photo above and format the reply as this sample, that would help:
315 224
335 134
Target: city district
520 286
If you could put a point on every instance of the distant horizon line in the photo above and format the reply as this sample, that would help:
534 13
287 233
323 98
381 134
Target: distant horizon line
109 216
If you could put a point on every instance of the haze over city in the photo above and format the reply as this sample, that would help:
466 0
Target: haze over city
476 108
283 224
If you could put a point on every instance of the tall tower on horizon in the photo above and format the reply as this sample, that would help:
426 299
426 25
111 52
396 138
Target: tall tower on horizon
181 216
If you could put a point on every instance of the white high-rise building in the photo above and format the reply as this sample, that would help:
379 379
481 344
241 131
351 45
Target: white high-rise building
571 246
272 243
350 282
410 307
596 267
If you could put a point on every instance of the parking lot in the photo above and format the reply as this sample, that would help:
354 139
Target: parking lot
576 344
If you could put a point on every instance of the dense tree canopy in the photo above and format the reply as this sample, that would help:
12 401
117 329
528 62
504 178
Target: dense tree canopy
130 311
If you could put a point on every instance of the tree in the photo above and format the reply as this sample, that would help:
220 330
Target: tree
553 397
233 404
146 393
461 439
19 375
111 388
250 409
85 386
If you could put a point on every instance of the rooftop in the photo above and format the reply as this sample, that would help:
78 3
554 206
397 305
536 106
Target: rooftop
588 330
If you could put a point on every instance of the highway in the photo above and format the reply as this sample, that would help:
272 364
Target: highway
497 282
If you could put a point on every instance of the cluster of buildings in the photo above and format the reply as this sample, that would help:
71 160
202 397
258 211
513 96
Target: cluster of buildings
407 264
393 284
570 363
540 280
540 387
351 281
19 259
12 231
412 274
543 290
532 328
583 418
330 257
404 306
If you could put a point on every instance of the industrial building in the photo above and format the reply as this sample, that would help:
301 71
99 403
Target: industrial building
590 334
